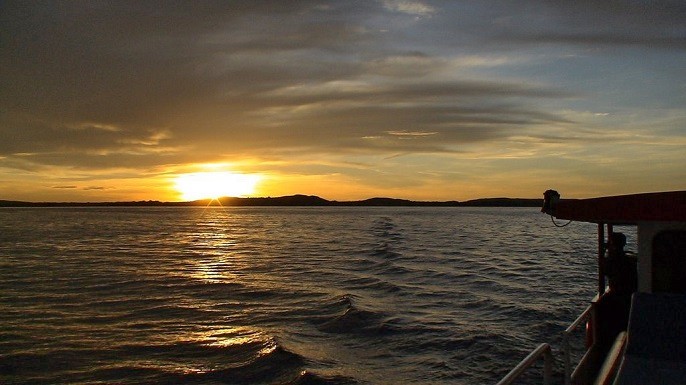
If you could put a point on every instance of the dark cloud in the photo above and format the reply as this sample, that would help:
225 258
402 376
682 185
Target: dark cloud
139 84
648 24
603 39
96 188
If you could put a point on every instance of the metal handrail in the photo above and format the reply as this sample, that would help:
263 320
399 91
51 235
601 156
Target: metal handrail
565 339
542 350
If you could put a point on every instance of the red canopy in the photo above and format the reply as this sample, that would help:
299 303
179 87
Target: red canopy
623 209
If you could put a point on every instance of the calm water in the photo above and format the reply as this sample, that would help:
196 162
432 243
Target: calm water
283 295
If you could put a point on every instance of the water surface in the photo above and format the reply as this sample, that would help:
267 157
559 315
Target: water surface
329 295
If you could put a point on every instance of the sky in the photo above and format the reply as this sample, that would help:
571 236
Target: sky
424 100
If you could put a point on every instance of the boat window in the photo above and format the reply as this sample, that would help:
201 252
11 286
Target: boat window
669 262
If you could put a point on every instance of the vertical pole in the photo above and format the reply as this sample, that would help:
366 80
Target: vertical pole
568 364
547 366
592 319
608 243
601 256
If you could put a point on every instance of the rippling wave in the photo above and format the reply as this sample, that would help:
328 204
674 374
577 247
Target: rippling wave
283 295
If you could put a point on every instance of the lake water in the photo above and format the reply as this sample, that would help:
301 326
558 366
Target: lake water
288 295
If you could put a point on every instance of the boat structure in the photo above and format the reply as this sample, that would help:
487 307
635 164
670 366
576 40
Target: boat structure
636 323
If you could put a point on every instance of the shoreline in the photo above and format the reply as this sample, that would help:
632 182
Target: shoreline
291 200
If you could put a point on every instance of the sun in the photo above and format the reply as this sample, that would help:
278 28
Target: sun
212 185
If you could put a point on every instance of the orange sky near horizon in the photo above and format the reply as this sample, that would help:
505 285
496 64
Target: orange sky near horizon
165 187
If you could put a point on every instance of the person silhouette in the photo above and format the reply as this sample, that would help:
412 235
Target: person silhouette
619 267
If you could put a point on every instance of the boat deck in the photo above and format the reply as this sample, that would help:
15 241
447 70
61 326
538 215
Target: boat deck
656 341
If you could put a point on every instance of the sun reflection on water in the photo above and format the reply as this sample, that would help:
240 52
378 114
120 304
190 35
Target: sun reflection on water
214 258
213 271
230 336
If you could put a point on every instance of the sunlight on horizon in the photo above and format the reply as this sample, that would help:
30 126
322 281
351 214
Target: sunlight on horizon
215 184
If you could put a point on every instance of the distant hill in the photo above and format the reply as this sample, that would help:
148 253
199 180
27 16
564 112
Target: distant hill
395 202
503 202
292 200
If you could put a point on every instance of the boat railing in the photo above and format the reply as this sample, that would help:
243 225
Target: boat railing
586 315
542 350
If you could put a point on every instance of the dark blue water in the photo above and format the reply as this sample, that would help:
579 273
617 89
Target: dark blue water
283 295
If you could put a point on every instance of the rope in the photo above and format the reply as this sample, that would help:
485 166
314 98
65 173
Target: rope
558 225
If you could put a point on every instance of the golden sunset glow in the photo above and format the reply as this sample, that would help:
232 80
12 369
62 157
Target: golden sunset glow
212 185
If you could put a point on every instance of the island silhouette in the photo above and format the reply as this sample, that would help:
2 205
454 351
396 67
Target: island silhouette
294 200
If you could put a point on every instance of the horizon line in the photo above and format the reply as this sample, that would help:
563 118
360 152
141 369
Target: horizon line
286 200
